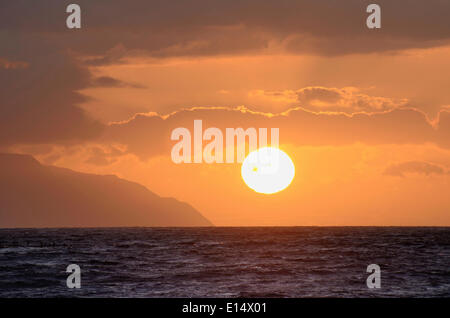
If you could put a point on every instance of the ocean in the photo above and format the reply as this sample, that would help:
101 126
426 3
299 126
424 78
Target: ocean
226 262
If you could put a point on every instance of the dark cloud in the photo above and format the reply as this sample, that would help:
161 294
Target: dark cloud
39 103
318 98
42 70
107 81
101 156
323 94
6 64
419 167
39 89
162 28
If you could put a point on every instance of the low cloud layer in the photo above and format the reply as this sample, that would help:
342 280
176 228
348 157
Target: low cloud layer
418 167
318 98
107 81
148 135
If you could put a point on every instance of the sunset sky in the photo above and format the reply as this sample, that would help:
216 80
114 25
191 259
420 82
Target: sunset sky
364 114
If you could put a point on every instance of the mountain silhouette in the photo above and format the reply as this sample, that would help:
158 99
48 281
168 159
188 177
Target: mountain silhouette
35 195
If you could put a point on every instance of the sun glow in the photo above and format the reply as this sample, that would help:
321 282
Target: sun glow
268 170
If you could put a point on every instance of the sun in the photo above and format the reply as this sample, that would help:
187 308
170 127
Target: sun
268 170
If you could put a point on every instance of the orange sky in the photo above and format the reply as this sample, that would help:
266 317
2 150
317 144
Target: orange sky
364 116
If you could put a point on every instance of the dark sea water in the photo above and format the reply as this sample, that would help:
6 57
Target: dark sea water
226 262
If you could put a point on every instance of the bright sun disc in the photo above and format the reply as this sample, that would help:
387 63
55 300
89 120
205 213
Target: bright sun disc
268 170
